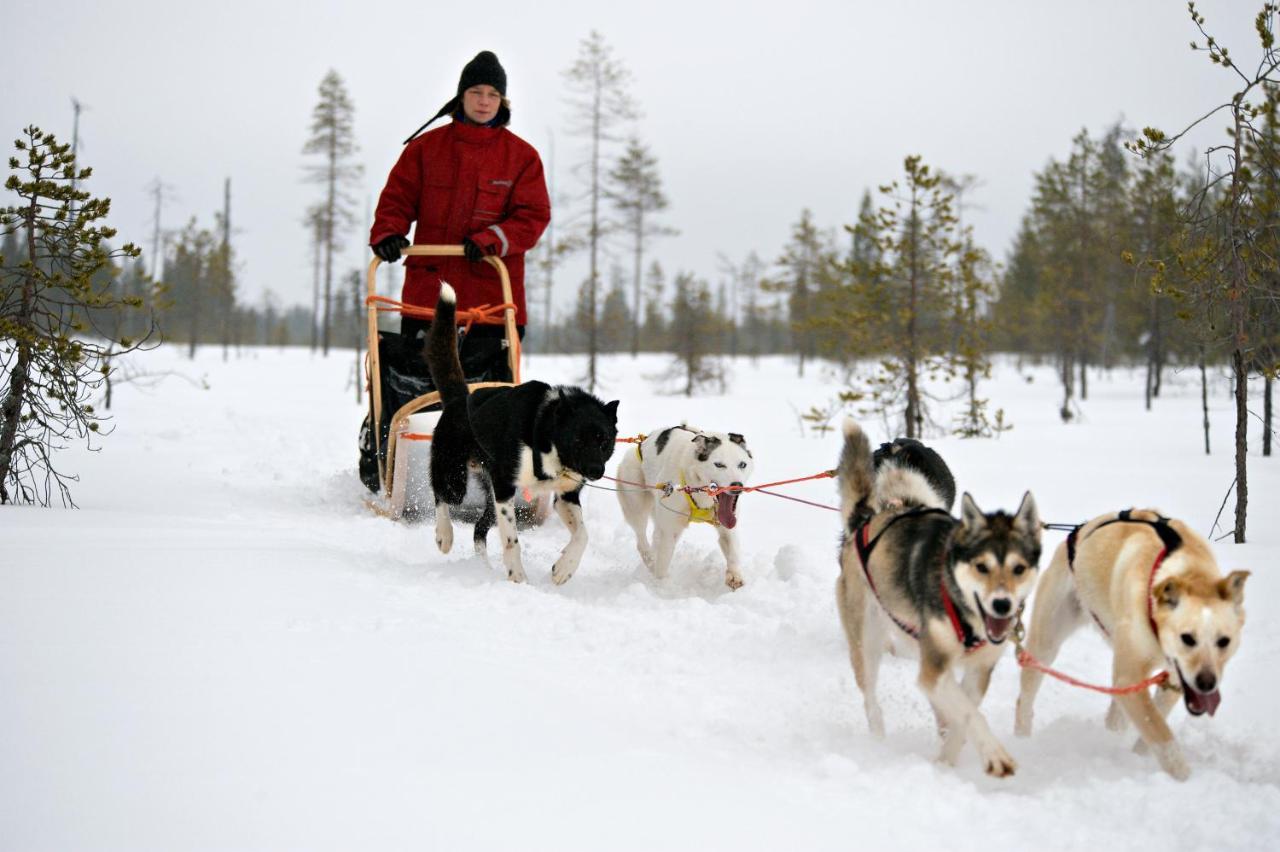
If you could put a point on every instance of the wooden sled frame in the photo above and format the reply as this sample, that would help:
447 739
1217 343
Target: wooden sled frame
387 467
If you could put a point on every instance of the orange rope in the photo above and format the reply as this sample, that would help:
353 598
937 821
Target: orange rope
1029 662
484 314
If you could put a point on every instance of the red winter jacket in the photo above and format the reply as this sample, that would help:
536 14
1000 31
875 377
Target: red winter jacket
465 180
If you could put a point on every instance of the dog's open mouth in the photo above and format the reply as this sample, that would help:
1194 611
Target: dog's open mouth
727 509
1198 703
997 628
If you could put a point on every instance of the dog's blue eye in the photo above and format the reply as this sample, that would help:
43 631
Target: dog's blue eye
720 465
1188 640
742 465
1224 642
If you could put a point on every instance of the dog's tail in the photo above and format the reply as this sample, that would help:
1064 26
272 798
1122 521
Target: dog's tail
855 474
442 349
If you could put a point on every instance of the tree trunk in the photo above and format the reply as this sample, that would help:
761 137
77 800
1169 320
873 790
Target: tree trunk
1266 415
639 252
1240 369
1067 376
1204 399
330 203
592 343
20 375
1084 377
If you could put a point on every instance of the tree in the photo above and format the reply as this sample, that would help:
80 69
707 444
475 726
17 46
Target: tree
655 322
616 321
693 330
52 291
600 103
1235 256
636 192
914 232
333 140
801 262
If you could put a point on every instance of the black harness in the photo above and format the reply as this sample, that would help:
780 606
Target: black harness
1168 537
864 545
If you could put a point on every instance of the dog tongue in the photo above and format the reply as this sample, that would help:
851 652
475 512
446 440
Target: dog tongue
1202 702
997 628
726 503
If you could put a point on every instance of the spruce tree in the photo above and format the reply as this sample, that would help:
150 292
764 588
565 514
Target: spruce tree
53 355
333 141
636 192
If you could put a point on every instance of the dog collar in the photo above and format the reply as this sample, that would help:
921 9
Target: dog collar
697 514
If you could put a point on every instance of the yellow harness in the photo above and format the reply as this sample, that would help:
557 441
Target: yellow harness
697 514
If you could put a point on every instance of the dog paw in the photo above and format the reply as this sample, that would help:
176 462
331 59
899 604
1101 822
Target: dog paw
516 575
1022 721
733 580
444 536
1172 761
1116 719
875 719
998 763
1141 747
560 572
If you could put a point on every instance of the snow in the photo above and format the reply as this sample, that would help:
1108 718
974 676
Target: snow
223 648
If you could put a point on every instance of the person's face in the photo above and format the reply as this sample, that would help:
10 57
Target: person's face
480 103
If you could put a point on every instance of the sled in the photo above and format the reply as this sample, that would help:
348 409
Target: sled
411 424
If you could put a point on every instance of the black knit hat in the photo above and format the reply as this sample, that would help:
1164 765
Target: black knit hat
483 70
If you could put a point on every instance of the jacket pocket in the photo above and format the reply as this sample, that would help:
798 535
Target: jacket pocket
492 195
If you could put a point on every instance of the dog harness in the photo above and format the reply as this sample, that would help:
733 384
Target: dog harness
1168 537
864 544
697 514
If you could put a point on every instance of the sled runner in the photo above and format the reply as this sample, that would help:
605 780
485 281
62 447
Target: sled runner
403 402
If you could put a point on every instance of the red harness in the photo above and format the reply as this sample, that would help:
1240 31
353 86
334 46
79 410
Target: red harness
964 633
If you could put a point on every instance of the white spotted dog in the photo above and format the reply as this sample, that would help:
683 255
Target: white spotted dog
678 458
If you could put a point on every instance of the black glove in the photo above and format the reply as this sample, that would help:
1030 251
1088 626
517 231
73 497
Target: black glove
474 253
389 249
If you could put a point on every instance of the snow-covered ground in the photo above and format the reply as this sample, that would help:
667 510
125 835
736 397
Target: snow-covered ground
224 649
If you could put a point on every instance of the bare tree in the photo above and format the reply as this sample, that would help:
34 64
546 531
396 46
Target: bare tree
333 140
1235 228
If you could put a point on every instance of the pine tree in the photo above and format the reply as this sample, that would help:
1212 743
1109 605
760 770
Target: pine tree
53 355
801 261
914 232
636 192
654 335
600 103
333 141
615 317
693 331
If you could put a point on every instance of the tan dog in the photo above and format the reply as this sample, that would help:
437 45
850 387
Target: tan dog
955 587
1154 589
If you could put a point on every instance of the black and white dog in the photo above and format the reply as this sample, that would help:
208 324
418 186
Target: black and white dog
681 457
955 587
532 436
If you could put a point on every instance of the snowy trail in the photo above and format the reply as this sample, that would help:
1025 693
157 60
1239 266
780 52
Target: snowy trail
223 649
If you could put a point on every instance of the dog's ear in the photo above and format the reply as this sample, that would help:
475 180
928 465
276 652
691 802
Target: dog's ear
1231 587
704 445
1028 517
611 409
1168 593
741 441
970 515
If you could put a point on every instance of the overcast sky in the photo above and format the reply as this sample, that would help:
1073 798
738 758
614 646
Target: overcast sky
754 110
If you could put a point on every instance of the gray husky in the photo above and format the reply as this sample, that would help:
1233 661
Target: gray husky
955 587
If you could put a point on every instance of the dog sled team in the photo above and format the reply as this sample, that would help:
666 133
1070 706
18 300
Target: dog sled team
911 574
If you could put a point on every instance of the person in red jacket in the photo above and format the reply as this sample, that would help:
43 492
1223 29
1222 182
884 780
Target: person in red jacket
473 182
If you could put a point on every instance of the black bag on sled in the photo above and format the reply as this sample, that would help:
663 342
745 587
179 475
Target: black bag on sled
404 377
